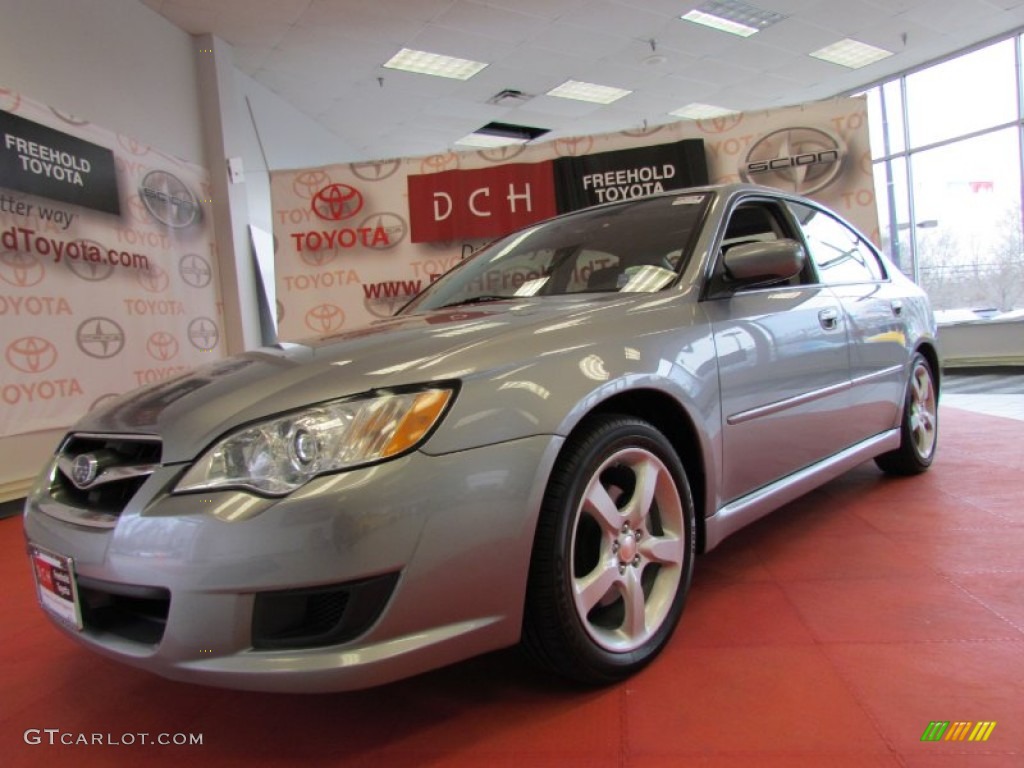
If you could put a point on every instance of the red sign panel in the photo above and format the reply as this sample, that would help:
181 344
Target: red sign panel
487 202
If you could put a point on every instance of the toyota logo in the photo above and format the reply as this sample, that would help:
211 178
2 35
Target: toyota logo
168 200
132 146
501 154
68 118
337 202
203 334
573 146
22 270
394 227
100 337
375 170
9 100
317 258
195 270
438 163
84 470
325 318
31 354
161 346
306 184
154 279
719 124
801 160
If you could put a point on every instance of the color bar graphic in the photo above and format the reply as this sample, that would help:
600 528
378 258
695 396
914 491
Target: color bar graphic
943 730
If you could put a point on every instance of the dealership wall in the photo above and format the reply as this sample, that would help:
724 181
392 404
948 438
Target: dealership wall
124 67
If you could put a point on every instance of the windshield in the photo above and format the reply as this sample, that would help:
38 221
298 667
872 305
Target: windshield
635 247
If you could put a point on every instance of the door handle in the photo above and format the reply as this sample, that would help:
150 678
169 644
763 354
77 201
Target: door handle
829 319
897 307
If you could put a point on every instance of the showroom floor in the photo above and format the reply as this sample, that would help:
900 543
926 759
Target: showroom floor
832 633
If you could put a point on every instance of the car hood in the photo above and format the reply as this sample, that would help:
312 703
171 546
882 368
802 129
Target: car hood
190 411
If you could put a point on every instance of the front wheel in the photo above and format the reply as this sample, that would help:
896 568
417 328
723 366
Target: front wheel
919 430
613 553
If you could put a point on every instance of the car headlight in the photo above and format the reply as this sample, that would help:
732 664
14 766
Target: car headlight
276 456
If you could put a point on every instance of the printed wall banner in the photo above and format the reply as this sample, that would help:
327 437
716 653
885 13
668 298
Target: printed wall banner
606 177
102 293
355 241
486 202
49 163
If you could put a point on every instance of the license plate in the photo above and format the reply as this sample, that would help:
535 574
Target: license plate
55 585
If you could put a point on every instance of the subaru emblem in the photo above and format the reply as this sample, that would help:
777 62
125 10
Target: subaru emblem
84 470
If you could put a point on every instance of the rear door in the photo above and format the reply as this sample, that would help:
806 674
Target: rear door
783 363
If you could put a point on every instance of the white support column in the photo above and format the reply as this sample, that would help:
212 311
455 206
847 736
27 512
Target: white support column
222 111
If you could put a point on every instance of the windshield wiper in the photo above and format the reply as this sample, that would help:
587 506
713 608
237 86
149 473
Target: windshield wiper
475 300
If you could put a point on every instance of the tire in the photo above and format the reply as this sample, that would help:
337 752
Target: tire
613 553
919 429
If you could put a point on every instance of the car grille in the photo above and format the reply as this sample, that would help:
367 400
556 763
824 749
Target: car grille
99 474
319 616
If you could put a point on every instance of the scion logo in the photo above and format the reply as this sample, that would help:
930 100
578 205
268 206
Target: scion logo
195 270
92 271
161 346
100 337
641 132
801 160
68 118
719 124
132 146
203 334
394 227
102 400
31 354
573 146
306 184
154 279
325 318
438 163
501 154
337 202
375 170
168 200
22 270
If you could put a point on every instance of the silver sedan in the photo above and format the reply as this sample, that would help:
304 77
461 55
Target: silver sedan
532 451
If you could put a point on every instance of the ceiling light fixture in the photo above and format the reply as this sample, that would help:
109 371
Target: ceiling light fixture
851 53
697 111
439 65
732 16
500 135
581 91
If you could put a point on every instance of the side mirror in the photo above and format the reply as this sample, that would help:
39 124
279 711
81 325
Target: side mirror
764 263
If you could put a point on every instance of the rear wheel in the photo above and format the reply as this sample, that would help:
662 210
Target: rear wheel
613 554
919 430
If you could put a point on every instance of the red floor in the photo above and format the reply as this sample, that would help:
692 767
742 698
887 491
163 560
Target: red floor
828 635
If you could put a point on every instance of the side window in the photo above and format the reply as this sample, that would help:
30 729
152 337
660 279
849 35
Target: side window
839 253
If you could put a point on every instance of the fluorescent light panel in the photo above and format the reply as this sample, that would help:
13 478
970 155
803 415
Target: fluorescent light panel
439 65
851 53
732 16
697 111
592 92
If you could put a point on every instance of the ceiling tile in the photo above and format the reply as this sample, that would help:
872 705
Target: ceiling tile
491 23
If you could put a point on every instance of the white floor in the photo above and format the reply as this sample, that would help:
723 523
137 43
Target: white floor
1007 406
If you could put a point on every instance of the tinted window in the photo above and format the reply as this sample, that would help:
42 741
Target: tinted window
840 254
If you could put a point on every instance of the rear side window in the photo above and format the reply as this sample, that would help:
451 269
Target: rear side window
840 254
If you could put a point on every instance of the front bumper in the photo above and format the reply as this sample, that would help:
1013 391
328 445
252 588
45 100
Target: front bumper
450 536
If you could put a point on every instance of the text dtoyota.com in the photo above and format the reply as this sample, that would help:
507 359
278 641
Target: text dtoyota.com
55 737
